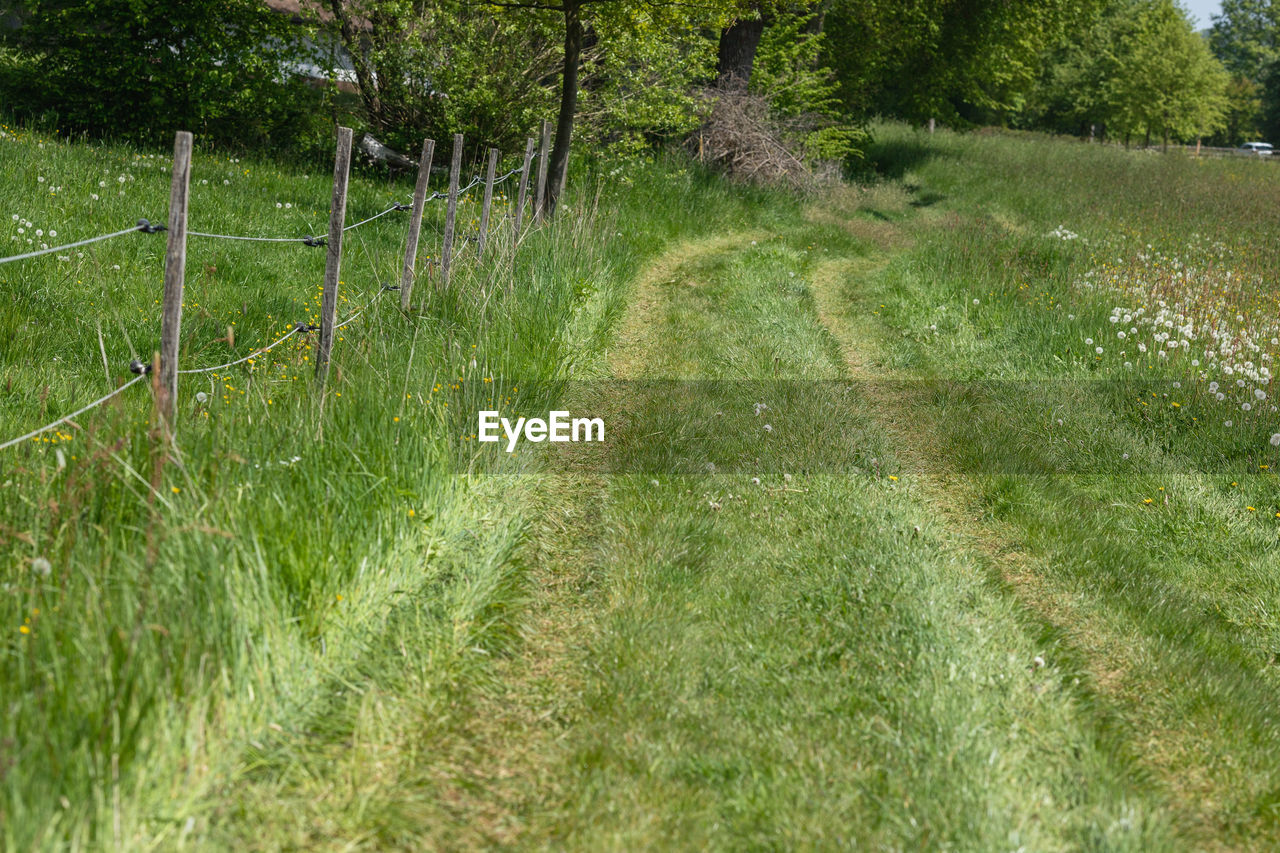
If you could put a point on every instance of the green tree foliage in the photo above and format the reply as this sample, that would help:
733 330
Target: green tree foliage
491 70
141 69
1246 38
652 18
1243 115
435 69
1139 68
1072 93
788 70
951 59
1166 81
640 80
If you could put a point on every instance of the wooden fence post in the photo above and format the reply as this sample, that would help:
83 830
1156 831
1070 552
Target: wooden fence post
415 222
175 260
333 259
446 250
488 200
540 192
529 145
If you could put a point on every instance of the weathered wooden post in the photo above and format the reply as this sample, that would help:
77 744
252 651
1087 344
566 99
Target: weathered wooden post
529 145
564 179
333 259
446 250
488 201
540 192
175 261
415 222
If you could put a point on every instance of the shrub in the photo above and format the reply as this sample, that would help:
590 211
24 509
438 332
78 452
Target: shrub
133 69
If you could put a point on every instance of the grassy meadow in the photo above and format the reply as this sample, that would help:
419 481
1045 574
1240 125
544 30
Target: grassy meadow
938 510
169 612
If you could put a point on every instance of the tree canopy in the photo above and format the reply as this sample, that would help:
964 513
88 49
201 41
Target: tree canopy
620 76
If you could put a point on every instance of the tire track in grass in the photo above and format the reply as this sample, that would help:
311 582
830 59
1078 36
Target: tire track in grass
1119 665
723 664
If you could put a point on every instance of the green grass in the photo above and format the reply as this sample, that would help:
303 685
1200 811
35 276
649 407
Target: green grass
804 658
202 600
1150 526
978 586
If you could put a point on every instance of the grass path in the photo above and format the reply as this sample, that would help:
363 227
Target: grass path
806 661
842 630
1178 697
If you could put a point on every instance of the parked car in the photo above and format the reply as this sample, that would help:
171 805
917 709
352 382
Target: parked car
1260 148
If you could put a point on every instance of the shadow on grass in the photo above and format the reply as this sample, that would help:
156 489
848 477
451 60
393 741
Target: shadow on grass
893 158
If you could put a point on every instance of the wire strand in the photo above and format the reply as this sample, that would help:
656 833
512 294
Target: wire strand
375 216
253 354
97 239
251 239
514 171
349 319
308 240
77 412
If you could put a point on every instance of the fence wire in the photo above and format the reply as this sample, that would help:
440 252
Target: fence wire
392 209
308 240
62 420
143 226
299 327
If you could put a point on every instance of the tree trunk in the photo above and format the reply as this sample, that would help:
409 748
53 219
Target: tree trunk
568 104
819 18
738 43
365 75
